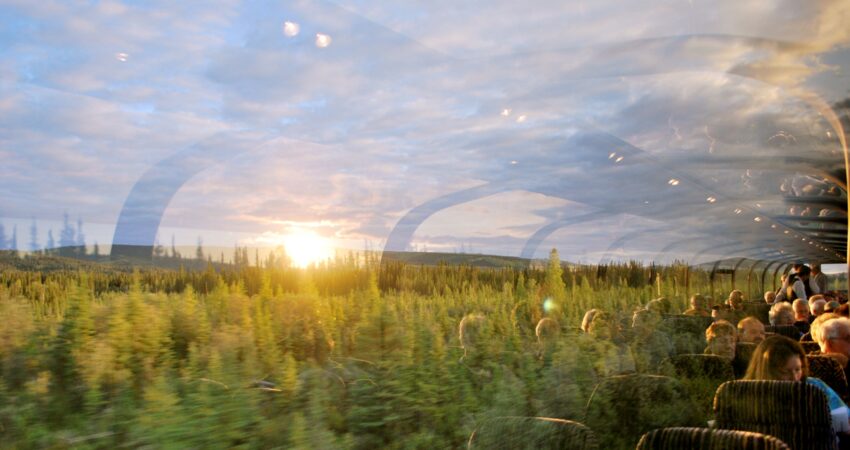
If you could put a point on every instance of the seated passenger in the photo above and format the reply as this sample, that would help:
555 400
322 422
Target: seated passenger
832 333
649 346
780 358
603 343
817 307
721 337
769 297
750 330
801 315
588 317
721 312
781 314
699 307
547 332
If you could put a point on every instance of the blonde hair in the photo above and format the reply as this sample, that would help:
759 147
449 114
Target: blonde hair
721 327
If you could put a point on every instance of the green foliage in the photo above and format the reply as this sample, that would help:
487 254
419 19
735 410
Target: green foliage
342 355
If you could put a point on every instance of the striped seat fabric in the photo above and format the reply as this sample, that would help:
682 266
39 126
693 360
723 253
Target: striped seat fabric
830 372
795 412
532 433
708 439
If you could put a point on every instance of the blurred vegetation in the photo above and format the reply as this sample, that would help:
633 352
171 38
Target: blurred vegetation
347 354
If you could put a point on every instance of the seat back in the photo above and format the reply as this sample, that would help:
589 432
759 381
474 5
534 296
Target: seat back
789 331
795 412
531 433
830 372
708 439
622 408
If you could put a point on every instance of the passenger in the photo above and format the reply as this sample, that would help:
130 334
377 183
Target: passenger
819 278
547 331
588 317
833 337
831 306
751 330
796 285
721 312
815 330
721 337
818 307
649 346
603 342
801 315
780 358
736 300
660 305
471 331
781 314
843 310
699 307
769 297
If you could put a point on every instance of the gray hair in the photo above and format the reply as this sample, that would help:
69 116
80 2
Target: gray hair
817 326
781 314
831 329
818 306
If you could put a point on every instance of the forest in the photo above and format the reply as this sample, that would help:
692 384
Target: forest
350 353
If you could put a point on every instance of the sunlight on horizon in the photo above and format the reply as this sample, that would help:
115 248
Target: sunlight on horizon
305 247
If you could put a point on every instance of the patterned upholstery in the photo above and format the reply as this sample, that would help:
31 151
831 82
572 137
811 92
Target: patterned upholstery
708 439
789 331
703 366
830 372
810 346
532 433
795 412
622 408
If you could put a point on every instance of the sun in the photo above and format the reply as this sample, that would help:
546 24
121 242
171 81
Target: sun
306 247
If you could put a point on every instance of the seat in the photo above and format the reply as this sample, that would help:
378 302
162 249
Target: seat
830 372
708 439
795 412
531 433
743 353
789 331
622 408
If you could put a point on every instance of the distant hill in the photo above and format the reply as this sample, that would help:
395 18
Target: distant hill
433 259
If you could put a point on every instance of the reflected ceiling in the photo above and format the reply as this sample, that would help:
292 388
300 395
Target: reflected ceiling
611 130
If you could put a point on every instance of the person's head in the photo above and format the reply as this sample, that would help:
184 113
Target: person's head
818 306
645 320
751 330
815 268
831 306
769 297
835 335
547 331
778 358
588 317
817 326
843 310
471 331
736 300
603 326
721 337
659 306
801 310
781 314
698 302
721 312
804 273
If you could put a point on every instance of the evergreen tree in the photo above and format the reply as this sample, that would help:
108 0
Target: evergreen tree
554 286
34 246
199 252
51 243
96 250
81 238
3 244
67 239
13 242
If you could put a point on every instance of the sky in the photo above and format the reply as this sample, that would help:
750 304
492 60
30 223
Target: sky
430 126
